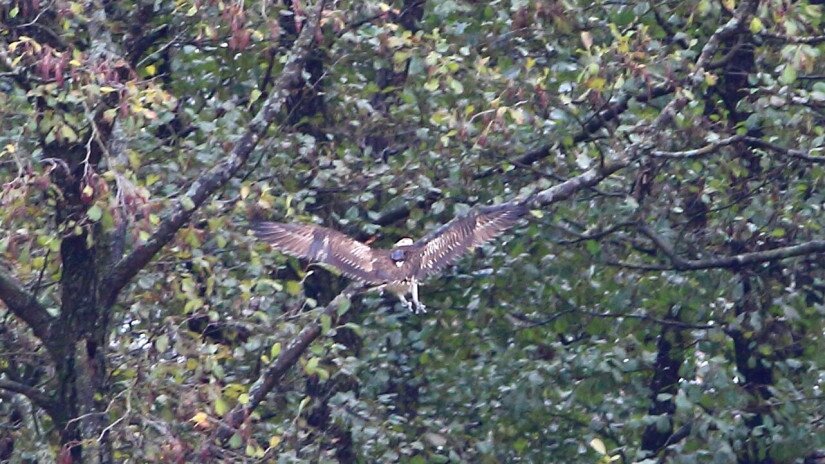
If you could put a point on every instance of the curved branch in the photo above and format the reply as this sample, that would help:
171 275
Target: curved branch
753 141
808 40
35 395
24 305
216 177
698 152
592 126
735 261
286 359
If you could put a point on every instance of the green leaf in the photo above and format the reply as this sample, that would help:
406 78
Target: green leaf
343 306
187 203
275 350
788 75
311 365
68 133
94 213
236 441
293 287
162 343
221 406
326 323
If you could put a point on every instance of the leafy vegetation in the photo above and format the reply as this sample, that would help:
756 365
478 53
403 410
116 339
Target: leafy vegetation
663 302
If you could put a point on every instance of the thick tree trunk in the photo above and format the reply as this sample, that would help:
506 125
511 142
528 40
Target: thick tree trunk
665 380
81 367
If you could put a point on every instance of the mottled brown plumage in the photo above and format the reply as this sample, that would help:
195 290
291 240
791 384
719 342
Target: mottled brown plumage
398 269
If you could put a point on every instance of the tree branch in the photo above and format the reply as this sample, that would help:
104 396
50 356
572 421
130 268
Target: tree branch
809 40
801 154
735 261
35 395
569 187
735 24
592 126
218 175
698 152
644 317
753 141
286 359
24 305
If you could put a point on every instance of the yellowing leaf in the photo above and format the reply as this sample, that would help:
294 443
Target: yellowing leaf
68 133
151 70
587 40
293 287
200 419
274 441
756 25
596 83
598 445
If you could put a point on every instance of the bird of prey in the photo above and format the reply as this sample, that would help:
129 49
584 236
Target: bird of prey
400 269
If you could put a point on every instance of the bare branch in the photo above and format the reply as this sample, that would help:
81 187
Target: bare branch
801 154
24 305
594 234
753 141
711 148
809 40
569 187
735 261
645 317
218 175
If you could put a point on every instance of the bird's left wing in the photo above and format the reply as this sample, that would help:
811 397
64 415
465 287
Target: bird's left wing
444 246
320 244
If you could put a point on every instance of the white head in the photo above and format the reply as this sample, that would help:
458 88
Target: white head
406 241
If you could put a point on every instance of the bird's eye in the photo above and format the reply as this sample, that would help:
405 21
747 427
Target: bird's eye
397 255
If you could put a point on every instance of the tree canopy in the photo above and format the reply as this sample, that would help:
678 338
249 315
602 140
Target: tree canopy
662 301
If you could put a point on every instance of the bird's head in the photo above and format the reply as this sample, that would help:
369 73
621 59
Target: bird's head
406 241
398 255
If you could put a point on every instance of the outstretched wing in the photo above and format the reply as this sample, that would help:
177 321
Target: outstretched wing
319 244
444 246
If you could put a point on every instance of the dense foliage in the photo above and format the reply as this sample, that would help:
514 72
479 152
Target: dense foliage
663 302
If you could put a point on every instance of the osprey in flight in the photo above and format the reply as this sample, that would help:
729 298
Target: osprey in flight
399 269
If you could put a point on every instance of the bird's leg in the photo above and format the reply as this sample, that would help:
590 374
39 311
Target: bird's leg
406 303
419 307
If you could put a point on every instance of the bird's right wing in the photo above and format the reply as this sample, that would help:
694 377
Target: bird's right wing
447 244
320 244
